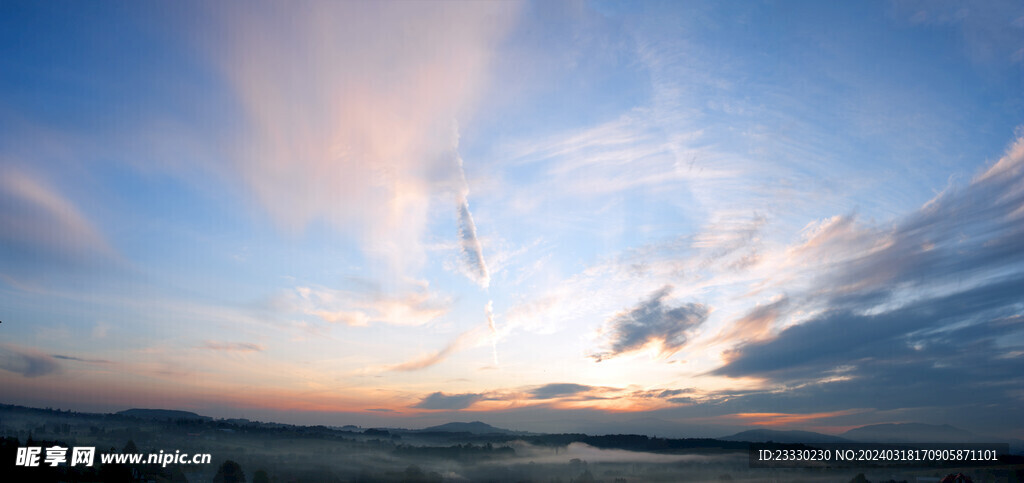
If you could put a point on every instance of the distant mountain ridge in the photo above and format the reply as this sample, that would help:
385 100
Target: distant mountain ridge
766 435
620 438
475 427
162 414
910 433
874 433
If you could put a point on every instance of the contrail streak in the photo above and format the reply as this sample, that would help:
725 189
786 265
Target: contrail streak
472 252
489 309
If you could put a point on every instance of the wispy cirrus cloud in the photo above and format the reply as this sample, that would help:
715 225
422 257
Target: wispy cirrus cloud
625 155
232 346
964 233
990 34
35 216
468 338
417 306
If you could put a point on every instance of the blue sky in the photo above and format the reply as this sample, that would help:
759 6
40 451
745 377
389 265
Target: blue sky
780 214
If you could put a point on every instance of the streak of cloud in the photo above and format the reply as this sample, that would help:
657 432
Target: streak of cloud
473 337
674 392
232 346
27 362
472 251
34 214
361 308
489 310
79 359
784 419
429 360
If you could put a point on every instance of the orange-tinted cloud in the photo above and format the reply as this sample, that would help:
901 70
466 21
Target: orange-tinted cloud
466 338
414 307
782 419
756 324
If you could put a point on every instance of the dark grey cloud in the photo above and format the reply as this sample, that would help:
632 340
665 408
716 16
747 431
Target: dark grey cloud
924 314
652 321
965 233
842 337
79 359
26 362
440 400
968 377
549 391
961 252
